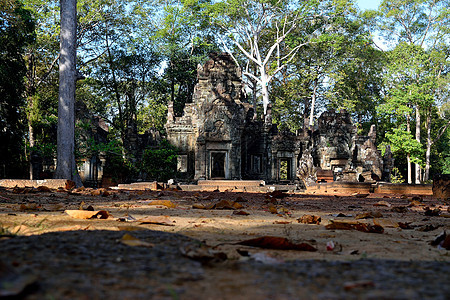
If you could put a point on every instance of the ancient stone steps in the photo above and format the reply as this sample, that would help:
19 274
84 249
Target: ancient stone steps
366 187
50 183
234 183
138 186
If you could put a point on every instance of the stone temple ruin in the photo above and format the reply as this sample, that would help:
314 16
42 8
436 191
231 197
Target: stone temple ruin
219 138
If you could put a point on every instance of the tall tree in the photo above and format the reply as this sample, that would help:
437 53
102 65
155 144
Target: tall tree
259 29
66 166
424 24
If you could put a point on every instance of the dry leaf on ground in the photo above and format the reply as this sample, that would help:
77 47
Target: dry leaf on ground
386 223
369 215
130 240
309 219
399 209
166 203
276 243
157 220
354 225
222 204
86 214
225 204
415 203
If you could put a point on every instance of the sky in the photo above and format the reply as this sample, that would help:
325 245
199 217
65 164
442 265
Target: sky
368 4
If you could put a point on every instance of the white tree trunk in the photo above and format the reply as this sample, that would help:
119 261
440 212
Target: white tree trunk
66 166
264 88
32 144
313 103
408 156
417 176
426 175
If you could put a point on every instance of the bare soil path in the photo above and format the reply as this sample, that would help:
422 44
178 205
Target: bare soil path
190 245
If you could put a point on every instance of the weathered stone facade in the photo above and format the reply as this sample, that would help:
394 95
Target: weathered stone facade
219 138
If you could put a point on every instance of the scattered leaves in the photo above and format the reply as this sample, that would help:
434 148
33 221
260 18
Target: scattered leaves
382 203
369 215
385 223
354 225
166 203
310 219
399 209
222 204
415 203
276 243
85 214
157 220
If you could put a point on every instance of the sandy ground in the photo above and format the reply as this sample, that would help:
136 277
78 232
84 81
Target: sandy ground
215 223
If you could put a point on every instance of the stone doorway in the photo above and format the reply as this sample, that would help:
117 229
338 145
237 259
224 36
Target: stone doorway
218 167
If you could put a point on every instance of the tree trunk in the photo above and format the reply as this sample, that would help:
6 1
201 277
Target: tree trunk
66 166
408 156
264 88
313 103
426 175
417 176
32 142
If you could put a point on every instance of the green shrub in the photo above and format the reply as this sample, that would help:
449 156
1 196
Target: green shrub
160 163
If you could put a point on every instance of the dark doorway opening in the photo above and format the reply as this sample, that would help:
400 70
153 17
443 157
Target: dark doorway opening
218 160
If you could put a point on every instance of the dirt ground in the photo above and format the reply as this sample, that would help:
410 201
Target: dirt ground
219 245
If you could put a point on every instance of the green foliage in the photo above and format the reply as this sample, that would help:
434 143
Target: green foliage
118 167
403 141
160 163
16 33
396 176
